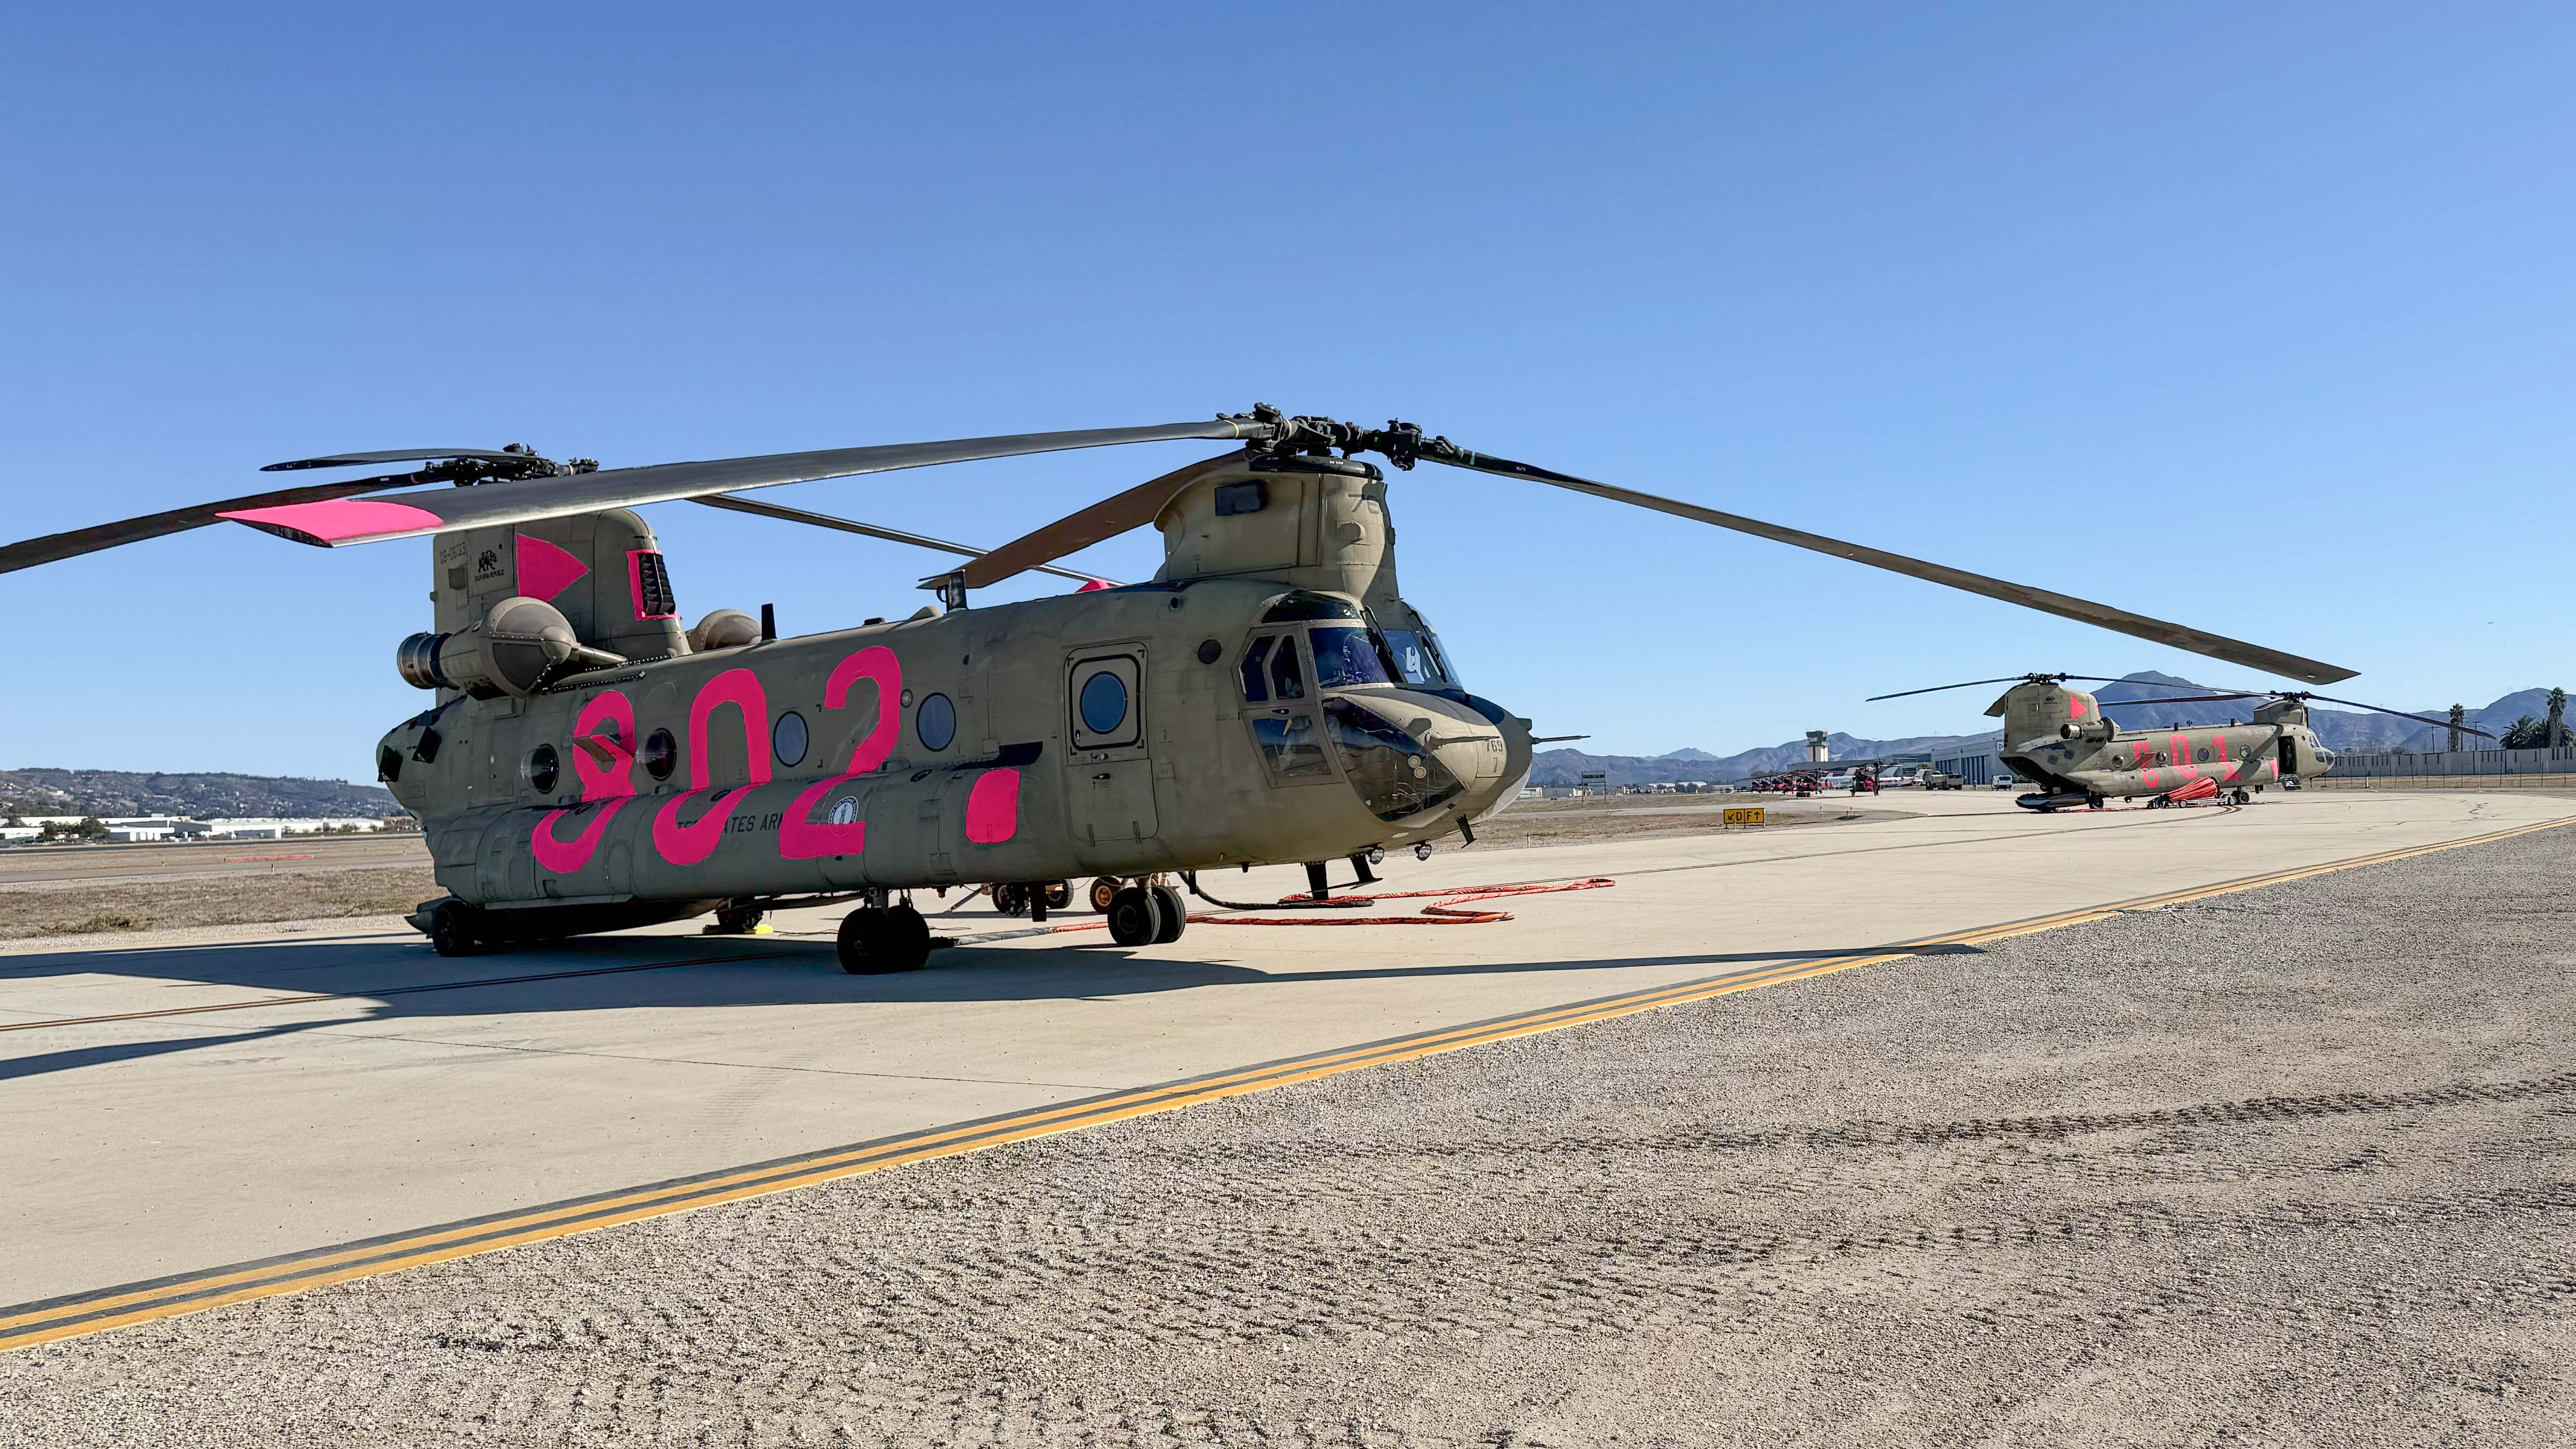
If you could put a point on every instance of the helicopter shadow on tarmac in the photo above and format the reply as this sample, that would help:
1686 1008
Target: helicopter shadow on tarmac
384 981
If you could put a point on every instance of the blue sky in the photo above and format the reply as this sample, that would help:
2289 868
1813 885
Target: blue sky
2257 321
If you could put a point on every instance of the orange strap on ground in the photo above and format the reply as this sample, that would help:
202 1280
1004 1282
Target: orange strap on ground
1446 910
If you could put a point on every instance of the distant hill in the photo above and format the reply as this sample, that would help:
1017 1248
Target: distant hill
129 792
2129 703
1567 767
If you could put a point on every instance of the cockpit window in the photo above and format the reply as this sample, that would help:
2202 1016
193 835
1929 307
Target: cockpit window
1417 658
1287 681
1254 690
1345 655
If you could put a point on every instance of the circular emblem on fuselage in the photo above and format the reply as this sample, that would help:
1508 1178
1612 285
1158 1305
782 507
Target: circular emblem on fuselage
845 811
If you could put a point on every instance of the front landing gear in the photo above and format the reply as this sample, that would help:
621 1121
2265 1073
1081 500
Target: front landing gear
877 940
1146 915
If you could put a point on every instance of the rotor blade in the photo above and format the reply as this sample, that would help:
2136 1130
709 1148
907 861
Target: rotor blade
1937 688
2216 646
1107 518
2401 714
55 547
394 455
371 520
2181 699
1555 739
870 530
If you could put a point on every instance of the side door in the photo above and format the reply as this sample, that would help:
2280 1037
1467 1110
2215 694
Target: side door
1109 775
1279 701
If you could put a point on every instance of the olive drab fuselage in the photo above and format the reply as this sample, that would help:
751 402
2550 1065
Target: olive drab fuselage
1268 697
2060 738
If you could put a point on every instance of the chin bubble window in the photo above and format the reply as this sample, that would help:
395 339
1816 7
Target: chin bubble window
1396 774
935 722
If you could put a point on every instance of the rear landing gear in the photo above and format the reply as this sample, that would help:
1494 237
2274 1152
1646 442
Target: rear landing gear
1103 891
451 930
877 940
2093 801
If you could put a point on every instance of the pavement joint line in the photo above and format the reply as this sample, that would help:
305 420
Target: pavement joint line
77 1315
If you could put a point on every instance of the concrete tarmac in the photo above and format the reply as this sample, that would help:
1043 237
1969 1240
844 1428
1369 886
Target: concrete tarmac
166 1144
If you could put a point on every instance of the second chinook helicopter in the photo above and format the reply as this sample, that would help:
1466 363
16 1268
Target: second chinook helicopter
2060 739
1269 696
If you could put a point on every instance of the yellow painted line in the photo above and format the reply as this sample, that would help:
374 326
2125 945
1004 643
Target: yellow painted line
53 1320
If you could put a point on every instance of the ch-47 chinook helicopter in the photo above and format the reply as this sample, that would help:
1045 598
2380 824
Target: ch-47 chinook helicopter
2060 738
1268 697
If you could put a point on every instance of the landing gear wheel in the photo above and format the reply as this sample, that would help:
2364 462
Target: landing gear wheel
1176 914
2092 802
1135 917
1058 895
451 930
1011 899
738 920
1103 891
876 942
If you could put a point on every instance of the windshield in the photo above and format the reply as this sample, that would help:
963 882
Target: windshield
1345 655
1417 657
1394 773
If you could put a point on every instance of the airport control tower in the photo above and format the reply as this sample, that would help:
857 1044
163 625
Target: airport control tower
1815 747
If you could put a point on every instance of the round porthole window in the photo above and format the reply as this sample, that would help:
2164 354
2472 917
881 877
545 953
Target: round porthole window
541 769
1104 703
787 738
1210 651
659 755
935 722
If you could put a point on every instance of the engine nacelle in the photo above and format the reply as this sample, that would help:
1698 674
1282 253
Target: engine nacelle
519 645
2092 729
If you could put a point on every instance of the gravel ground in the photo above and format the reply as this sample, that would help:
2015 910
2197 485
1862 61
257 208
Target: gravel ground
2284 1167
90 908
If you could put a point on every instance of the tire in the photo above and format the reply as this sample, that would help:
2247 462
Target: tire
1135 917
1102 891
1058 894
451 930
879 943
738 921
1011 899
905 939
1176 914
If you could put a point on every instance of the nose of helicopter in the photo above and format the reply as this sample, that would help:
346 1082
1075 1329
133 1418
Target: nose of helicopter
1432 751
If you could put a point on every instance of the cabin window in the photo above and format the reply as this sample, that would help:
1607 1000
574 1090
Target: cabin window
1254 690
787 739
660 755
1345 656
1237 498
935 722
541 769
2200 756
1103 703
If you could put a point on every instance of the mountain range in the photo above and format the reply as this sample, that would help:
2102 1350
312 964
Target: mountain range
2128 703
